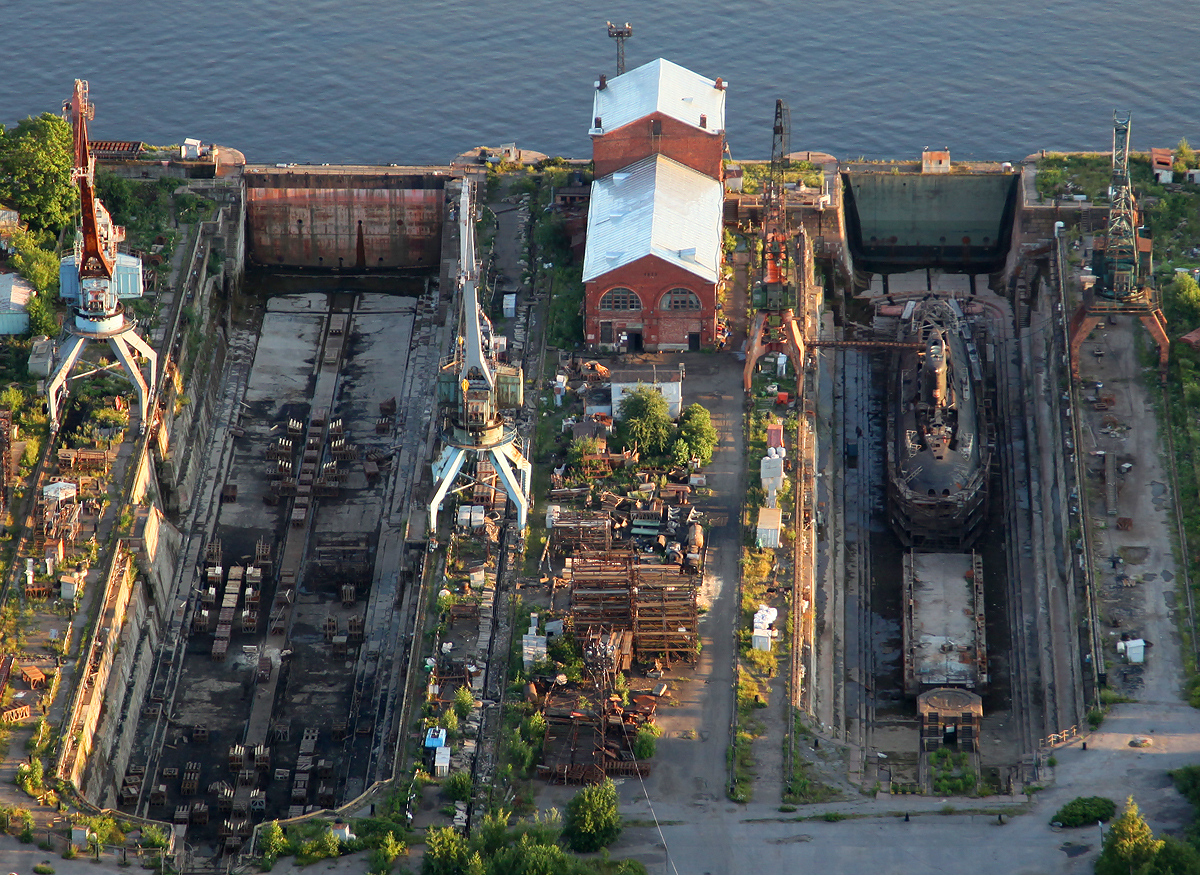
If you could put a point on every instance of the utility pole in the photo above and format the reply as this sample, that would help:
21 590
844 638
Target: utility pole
620 33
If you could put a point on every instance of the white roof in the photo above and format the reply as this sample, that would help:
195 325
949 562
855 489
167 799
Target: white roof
14 292
655 207
659 86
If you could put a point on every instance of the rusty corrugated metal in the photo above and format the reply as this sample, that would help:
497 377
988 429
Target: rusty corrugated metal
344 221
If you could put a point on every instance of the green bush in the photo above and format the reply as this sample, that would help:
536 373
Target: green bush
1187 782
646 742
458 786
1085 811
156 837
593 818
43 869
464 701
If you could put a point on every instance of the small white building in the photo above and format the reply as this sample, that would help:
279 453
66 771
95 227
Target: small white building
667 380
771 471
41 356
1134 651
533 645
191 149
1162 165
1193 176
15 293
764 632
935 160
770 524
441 762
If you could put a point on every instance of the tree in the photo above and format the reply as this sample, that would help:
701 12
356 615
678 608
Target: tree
464 701
644 411
445 852
331 846
579 448
645 743
529 858
1185 154
593 818
697 431
1129 845
1183 299
458 786
40 268
36 159
1174 858
493 834
272 841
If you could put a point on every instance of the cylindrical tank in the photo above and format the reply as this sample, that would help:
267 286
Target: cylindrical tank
695 537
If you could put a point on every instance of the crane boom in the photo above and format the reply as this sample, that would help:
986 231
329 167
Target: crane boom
100 236
1121 254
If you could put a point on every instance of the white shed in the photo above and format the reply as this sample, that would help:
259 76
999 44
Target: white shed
15 293
1134 651
770 522
771 471
441 762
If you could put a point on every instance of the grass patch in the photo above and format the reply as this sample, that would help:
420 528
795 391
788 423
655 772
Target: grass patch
741 766
803 789
950 773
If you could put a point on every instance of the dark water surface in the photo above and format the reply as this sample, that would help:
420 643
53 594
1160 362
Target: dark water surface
417 82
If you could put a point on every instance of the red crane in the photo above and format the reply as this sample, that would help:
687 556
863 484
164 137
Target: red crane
92 280
98 253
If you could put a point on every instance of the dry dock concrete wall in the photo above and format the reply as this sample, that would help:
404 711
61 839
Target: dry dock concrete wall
344 218
907 221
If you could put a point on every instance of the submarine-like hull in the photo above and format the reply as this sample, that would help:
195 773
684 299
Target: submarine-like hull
939 440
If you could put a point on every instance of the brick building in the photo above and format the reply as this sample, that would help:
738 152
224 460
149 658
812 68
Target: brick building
653 258
653 255
659 108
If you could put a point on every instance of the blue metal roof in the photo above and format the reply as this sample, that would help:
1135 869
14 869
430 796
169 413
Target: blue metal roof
127 277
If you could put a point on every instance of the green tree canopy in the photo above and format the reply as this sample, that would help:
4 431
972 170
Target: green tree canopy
35 171
40 267
1183 301
593 818
1174 858
647 421
445 852
697 431
1129 845
1185 154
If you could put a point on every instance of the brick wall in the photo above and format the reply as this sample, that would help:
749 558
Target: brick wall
701 150
661 329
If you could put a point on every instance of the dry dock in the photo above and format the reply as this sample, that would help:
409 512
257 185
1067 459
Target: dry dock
285 695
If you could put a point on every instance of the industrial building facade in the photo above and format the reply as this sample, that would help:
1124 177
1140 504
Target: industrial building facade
652 264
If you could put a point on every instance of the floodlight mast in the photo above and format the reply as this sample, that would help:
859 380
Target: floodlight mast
620 33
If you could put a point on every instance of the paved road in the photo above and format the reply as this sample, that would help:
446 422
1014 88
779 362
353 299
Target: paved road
726 839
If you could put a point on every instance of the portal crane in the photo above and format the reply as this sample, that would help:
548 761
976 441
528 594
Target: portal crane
774 294
1120 278
1122 269
473 389
96 278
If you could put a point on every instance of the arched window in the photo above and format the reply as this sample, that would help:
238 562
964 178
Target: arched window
680 299
620 299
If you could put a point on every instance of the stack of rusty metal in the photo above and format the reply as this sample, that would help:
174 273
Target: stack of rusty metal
600 586
581 530
665 614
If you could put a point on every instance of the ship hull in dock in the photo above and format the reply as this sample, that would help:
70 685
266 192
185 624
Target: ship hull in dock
939 446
